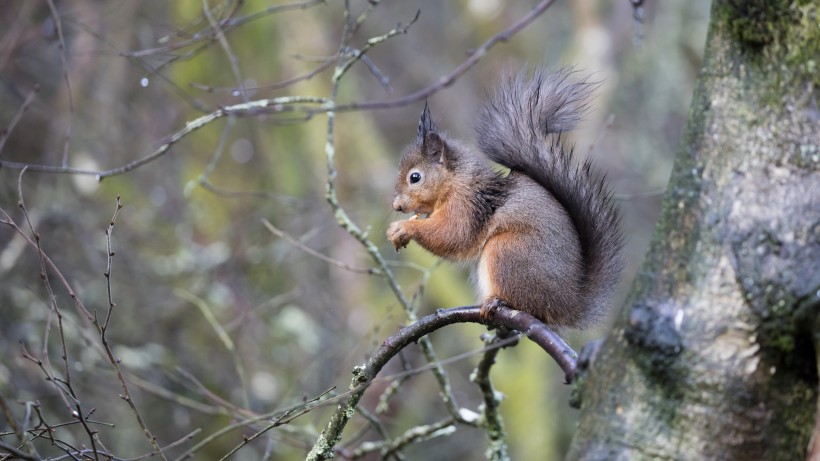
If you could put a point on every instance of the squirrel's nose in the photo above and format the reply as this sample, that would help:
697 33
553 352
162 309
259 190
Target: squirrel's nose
397 205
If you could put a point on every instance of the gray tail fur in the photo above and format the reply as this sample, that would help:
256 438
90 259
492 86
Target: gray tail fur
520 127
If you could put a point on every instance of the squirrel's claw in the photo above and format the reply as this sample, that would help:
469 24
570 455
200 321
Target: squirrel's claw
397 234
488 308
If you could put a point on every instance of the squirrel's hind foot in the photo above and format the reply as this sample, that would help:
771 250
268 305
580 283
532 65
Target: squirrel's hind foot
489 307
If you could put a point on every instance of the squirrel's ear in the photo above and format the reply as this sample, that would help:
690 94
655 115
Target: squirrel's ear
426 125
438 150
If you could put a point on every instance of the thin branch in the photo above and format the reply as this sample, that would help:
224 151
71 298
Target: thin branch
177 398
376 424
260 194
357 55
326 64
274 302
6 132
220 148
388 448
115 363
284 418
152 71
203 390
208 40
59 25
17 453
223 42
335 262
224 337
228 26
18 431
492 418
186 438
242 109
109 261
203 182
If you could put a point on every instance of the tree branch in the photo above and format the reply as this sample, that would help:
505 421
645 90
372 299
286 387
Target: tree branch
492 418
533 328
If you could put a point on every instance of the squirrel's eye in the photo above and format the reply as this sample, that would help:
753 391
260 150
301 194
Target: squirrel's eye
415 177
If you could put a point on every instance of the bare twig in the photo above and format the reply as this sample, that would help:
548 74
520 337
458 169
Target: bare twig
295 242
243 109
224 337
326 64
6 132
187 438
177 398
223 41
203 390
259 194
49 263
388 448
374 423
109 261
202 42
58 24
276 301
150 70
18 431
203 181
227 26
115 363
13 451
284 418
357 55
220 148
281 417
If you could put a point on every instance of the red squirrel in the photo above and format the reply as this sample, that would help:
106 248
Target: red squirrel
545 237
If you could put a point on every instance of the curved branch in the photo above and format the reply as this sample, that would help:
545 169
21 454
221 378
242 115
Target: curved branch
534 329
512 319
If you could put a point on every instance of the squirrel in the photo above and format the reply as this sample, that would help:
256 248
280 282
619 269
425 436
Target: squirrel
545 237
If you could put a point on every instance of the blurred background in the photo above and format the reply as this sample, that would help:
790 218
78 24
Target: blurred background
207 297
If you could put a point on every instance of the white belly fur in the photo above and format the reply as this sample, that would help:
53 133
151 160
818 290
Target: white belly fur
483 283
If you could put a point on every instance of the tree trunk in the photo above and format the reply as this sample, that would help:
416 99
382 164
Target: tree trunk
714 355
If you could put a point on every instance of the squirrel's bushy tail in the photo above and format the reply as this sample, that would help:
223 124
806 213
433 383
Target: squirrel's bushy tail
520 127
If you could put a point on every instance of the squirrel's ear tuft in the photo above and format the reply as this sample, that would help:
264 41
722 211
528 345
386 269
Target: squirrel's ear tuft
426 125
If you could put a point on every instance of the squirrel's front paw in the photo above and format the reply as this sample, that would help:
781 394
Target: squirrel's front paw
397 234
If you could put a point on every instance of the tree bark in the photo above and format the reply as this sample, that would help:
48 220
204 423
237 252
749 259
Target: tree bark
714 355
